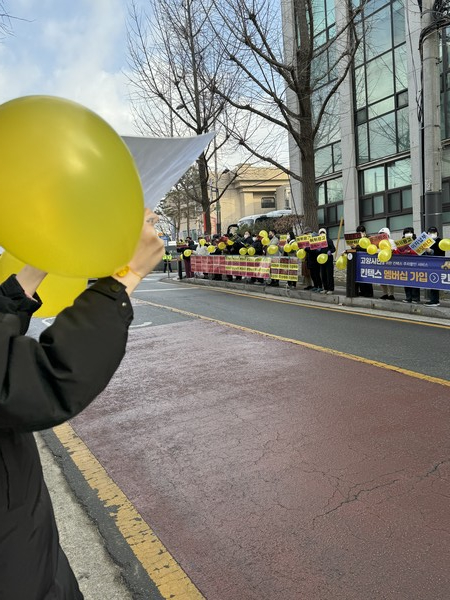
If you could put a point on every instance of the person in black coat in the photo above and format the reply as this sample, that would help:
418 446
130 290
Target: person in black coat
327 269
45 383
434 250
314 267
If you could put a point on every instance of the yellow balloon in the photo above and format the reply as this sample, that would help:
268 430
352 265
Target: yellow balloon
294 246
287 248
322 259
384 245
273 249
444 244
230 242
263 233
55 292
363 243
70 195
372 249
341 262
384 255
243 251
301 253
265 241
222 245
187 253
211 248
251 251
202 242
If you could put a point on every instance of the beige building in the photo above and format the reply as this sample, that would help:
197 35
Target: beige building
247 190
251 190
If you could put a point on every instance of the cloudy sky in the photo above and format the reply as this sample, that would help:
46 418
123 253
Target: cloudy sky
73 49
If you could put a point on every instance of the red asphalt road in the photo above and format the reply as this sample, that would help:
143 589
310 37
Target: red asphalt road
274 472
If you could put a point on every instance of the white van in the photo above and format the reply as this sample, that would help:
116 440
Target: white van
251 219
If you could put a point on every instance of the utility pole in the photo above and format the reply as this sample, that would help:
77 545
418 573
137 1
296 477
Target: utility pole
431 124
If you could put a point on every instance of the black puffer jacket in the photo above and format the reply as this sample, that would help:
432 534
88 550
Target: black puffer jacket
44 383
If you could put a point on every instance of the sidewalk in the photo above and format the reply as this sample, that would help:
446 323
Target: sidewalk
339 298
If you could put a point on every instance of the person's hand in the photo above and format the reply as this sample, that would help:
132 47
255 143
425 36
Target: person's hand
30 278
149 251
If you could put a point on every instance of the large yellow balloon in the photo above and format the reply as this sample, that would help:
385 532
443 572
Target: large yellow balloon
341 262
221 245
70 195
187 253
384 245
55 292
251 251
444 244
287 248
265 241
372 249
322 259
243 251
202 241
294 246
263 233
301 253
384 255
273 249
364 243
211 248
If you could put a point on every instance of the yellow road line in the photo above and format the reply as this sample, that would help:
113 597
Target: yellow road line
354 357
302 303
170 579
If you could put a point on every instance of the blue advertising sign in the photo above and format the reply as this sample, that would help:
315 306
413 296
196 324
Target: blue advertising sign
430 272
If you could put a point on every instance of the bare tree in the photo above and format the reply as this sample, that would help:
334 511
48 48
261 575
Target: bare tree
176 63
289 88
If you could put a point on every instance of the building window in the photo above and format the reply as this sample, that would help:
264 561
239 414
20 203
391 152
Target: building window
268 202
331 207
380 83
385 196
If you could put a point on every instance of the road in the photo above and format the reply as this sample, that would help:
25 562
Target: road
259 449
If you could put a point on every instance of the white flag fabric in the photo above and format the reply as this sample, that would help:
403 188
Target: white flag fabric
161 162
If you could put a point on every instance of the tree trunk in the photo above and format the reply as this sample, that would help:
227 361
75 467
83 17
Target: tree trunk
203 174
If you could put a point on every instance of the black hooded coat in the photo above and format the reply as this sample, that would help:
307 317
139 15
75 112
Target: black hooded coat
44 383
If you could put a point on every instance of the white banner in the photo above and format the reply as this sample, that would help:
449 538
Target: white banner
162 161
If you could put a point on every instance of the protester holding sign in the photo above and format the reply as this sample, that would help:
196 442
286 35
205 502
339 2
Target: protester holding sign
435 251
388 290
412 295
327 268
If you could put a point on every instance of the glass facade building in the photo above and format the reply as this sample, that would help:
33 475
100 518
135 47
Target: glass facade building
368 161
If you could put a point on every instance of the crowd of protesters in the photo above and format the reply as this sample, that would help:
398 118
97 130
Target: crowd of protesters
318 274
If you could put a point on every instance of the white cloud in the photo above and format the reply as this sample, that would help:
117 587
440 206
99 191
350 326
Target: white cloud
76 50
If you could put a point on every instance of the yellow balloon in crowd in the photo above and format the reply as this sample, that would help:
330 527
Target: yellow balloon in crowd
211 248
265 241
243 251
251 251
202 242
70 195
364 243
341 262
322 259
230 242
384 245
187 253
273 249
301 253
263 233
221 245
444 244
372 249
287 248
56 292
294 246
384 255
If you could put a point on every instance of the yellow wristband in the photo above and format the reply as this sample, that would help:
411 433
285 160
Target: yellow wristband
122 272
